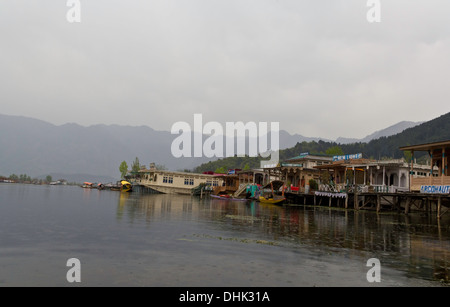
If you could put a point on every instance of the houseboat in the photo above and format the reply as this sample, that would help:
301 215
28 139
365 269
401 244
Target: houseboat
296 172
170 182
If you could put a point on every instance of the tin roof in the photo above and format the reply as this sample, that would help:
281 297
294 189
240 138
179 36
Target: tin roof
427 146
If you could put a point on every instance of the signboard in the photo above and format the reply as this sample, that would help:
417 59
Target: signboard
435 189
347 157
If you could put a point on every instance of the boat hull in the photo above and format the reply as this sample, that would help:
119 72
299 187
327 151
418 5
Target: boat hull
274 201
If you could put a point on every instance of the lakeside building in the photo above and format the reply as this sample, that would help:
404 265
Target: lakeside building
170 182
389 176
438 152
296 172
254 176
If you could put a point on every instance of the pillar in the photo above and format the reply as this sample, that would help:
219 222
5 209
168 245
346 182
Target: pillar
412 170
443 166
439 204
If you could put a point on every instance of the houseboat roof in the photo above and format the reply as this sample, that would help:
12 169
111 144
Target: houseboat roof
346 163
174 173
311 157
427 146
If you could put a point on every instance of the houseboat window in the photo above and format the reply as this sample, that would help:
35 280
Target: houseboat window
167 179
188 181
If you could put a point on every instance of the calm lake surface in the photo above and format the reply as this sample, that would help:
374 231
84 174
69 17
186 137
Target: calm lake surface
131 239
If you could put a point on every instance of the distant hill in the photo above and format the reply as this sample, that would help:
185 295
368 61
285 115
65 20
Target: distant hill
386 146
434 130
37 148
392 130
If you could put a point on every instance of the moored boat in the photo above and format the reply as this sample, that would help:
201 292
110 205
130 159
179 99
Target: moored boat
88 185
272 200
126 186
271 197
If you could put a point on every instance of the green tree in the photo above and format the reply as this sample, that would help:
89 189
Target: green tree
246 167
48 178
123 168
334 151
135 167
221 170
407 155
14 177
313 184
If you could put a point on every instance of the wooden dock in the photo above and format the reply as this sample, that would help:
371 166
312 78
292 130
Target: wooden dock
380 202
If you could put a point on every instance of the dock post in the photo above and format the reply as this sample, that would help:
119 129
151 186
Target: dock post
378 203
314 199
304 199
356 204
329 202
346 202
408 201
439 203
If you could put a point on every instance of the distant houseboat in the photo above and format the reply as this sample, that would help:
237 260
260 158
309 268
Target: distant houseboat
170 182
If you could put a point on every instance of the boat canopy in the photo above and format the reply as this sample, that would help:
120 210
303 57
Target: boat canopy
277 184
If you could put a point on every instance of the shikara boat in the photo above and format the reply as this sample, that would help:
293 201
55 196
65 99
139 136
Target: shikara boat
88 185
126 186
273 200
271 197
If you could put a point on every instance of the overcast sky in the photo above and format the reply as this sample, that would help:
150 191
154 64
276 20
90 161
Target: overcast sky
317 67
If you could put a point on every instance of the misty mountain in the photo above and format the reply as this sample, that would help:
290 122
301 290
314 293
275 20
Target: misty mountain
391 130
37 148
434 130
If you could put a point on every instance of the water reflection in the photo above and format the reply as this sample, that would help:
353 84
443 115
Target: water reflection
414 244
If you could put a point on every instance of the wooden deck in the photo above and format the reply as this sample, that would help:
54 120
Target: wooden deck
380 202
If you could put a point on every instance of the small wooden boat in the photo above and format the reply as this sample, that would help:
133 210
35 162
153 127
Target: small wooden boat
271 197
88 185
273 200
126 186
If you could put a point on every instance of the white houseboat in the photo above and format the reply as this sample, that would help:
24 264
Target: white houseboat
170 182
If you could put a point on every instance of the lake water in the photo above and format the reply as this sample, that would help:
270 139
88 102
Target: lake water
131 239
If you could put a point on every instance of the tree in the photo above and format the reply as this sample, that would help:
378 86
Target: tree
135 167
221 170
14 177
246 167
123 168
334 151
48 178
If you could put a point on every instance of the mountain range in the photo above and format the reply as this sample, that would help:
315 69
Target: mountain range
38 148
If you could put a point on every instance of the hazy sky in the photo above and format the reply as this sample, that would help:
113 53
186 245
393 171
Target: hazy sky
318 67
